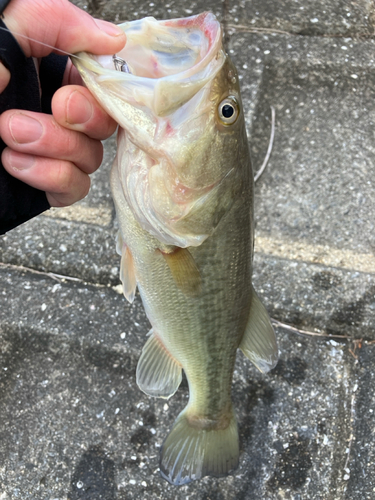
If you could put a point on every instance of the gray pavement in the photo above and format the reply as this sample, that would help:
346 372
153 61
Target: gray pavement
74 425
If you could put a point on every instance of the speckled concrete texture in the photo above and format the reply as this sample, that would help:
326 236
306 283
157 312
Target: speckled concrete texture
73 423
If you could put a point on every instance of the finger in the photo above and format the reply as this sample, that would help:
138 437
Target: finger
4 77
38 134
75 108
60 24
63 182
71 75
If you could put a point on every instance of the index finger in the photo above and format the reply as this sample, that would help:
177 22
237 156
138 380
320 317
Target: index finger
62 25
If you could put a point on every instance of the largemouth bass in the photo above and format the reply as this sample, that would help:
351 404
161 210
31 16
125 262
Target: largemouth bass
183 189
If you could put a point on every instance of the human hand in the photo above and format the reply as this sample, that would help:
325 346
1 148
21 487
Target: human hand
68 146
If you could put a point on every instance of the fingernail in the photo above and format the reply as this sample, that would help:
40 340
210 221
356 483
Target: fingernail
19 161
79 109
109 28
25 129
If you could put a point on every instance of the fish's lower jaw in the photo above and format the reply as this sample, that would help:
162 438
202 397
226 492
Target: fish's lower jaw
190 452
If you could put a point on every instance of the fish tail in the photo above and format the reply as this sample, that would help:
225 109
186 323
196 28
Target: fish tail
191 451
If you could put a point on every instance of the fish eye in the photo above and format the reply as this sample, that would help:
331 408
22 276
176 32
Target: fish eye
228 111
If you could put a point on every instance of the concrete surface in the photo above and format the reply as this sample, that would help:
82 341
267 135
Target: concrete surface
74 425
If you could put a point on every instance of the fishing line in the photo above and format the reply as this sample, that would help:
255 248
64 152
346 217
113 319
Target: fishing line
41 43
270 144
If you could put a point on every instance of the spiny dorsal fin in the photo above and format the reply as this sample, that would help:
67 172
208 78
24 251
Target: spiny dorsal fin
259 341
184 271
158 373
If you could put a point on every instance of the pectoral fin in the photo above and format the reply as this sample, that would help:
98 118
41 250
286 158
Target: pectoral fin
119 243
127 273
158 373
184 271
259 341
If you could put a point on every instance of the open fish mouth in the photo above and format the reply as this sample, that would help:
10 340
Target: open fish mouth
158 89
165 63
158 49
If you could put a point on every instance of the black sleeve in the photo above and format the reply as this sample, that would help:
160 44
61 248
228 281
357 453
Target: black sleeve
51 72
20 202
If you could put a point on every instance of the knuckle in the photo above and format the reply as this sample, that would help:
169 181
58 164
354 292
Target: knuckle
73 141
90 157
98 155
64 177
69 185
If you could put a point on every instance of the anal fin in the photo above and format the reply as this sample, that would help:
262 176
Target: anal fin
259 340
158 373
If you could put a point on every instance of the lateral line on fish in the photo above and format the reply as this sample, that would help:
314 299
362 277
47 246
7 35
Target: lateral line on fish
41 43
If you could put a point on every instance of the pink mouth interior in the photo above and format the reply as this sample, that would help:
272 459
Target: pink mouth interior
179 46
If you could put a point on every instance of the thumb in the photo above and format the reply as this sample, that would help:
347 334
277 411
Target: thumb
62 25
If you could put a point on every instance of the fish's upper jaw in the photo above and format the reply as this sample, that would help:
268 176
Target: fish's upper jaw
168 62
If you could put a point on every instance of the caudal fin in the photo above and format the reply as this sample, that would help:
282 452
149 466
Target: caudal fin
190 452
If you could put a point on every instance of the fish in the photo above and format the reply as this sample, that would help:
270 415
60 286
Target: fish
182 185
